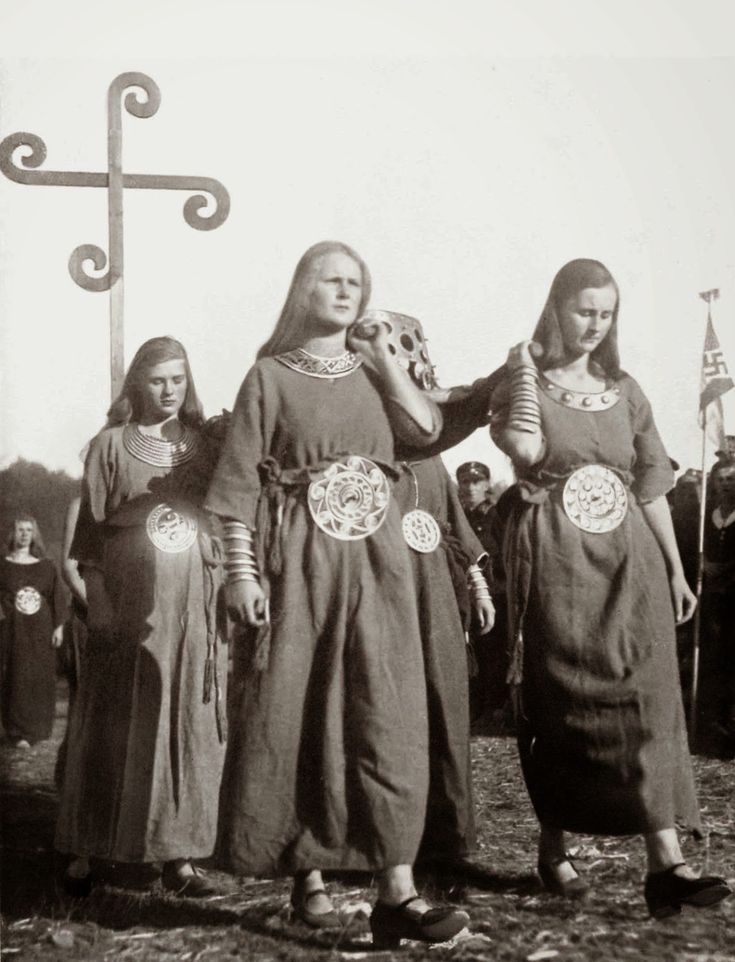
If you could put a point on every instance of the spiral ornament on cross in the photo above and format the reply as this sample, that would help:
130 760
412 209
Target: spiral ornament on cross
206 210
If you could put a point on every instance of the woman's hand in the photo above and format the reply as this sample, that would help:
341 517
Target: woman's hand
369 339
683 598
484 611
523 355
57 638
247 603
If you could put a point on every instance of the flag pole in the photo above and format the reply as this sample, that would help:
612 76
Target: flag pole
707 296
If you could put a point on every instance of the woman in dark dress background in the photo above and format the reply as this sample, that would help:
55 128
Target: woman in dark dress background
31 629
595 581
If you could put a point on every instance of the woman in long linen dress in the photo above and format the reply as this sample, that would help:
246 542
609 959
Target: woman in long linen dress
146 739
31 629
442 578
327 762
593 569
451 591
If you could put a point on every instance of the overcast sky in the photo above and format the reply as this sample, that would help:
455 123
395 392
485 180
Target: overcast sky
467 150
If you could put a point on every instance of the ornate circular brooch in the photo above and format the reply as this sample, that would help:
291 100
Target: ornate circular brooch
27 600
421 531
350 501
169 530
595 499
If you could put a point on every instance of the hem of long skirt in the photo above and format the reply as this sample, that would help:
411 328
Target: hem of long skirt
270 869
139 858
621 829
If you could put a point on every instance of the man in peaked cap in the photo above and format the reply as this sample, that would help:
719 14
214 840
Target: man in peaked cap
488 689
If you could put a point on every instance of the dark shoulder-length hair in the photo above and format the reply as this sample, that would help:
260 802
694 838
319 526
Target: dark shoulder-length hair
128 405
291 328
574 277
37 548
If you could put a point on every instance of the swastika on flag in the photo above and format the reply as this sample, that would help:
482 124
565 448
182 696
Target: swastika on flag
713 364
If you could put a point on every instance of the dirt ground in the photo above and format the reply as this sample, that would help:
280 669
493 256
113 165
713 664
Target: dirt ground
129 917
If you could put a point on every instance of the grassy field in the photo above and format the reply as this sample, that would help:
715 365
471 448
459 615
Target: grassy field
129 917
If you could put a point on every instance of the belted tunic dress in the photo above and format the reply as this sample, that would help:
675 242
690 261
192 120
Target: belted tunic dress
327 763
601 726
146 733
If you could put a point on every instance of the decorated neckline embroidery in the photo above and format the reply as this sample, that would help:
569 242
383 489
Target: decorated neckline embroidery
324 367
158 451
581 400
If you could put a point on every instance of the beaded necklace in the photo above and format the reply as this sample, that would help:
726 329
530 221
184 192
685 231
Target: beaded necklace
158 451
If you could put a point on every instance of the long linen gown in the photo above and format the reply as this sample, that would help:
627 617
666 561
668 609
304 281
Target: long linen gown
601 729
327 759
450 823
31 606
145 746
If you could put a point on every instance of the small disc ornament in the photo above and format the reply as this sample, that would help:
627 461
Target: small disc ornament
27 600
169 530
421 531
350 501
595 499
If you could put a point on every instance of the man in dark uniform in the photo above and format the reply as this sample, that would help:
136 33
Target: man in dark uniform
488 688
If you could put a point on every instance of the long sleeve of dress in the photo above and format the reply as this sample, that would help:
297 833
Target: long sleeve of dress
88 542
235 487
654 475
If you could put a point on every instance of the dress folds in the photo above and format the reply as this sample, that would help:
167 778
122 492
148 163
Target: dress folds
601 726
31 609
327 760
146 735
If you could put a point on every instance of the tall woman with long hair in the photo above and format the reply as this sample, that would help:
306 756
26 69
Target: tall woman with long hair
327 765
595 586
146 739
30 629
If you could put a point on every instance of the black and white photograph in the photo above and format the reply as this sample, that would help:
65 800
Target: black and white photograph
367 480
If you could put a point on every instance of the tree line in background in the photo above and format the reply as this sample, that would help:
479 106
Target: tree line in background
29 487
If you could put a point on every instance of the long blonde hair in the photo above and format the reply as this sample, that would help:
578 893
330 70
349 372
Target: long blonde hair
37 547
290 330
128 405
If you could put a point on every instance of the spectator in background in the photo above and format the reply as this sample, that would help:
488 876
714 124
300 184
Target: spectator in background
718 599
488 685
31 629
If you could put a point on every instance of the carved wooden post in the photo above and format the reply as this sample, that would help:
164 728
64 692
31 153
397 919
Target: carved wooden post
115 180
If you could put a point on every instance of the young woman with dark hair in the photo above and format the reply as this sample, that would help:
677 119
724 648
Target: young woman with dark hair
595 584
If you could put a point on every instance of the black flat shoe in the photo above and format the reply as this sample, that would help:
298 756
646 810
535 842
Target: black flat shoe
315 920
186 886
573 888
391 923
666 892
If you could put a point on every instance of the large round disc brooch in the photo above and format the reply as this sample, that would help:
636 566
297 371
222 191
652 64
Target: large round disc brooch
421 531
595 499
169 530
351 500
27 600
